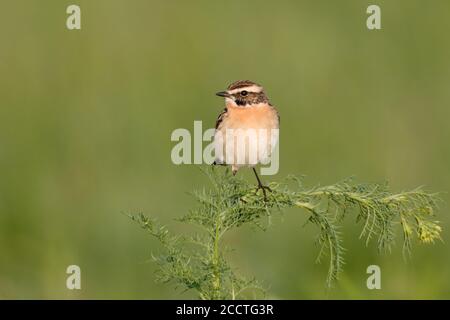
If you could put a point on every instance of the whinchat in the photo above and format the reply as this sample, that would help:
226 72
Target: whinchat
247 129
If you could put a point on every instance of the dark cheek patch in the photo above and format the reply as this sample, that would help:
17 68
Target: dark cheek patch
251 98
240 102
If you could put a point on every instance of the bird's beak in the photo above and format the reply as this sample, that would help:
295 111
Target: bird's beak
223 94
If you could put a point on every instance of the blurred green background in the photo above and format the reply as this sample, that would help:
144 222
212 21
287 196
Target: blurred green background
86 118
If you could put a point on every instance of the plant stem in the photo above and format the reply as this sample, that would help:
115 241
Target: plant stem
215 261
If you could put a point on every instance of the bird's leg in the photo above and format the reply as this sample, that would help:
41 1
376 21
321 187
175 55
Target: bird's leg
234 171
261 186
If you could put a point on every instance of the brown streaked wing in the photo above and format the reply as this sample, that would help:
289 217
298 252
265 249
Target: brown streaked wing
220 118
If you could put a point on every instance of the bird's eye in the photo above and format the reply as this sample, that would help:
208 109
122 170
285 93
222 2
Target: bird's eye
244 93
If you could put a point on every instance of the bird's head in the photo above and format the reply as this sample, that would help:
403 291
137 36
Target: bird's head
244 93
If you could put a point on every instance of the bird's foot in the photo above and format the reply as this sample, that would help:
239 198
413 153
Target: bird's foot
263 188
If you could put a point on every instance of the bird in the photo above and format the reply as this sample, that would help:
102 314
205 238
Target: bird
246 131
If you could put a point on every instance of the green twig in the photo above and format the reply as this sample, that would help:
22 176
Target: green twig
232 202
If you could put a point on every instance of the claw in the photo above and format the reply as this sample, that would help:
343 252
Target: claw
263 188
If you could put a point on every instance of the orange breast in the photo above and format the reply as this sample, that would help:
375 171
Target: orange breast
240 140
256 117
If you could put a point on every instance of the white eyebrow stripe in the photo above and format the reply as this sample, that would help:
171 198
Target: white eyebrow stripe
253 88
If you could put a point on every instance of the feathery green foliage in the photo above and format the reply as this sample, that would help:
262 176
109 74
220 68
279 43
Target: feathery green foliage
198 262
